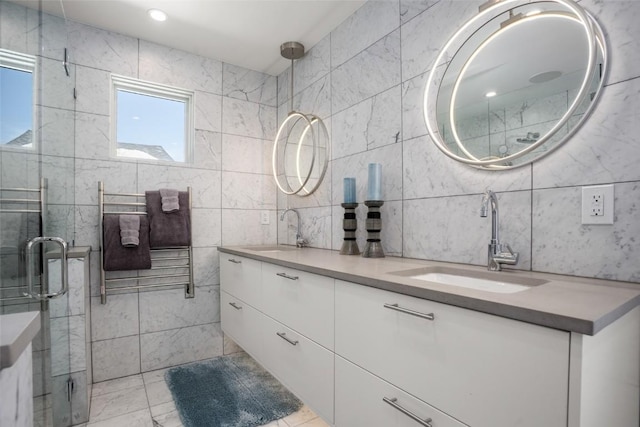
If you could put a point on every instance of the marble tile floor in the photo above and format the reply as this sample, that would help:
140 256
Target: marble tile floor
144 400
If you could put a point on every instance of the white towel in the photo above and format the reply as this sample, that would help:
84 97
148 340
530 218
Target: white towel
169 200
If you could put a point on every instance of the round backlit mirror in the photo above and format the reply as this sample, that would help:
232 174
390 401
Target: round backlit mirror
514 82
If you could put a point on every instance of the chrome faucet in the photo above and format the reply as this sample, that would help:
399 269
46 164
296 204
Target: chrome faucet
497 254
300 242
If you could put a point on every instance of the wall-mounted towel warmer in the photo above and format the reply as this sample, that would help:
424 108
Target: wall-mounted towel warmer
23 201
170 267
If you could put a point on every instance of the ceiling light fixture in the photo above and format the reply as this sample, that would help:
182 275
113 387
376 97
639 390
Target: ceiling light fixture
157 15
313 133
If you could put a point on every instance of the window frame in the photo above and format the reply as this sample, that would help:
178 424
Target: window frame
26 63
147 88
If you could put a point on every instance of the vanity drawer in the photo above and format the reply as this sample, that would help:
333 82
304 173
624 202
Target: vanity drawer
303 366
359 402
241 322
481 369
241 278
302 301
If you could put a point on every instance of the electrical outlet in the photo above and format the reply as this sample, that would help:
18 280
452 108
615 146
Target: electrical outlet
264 218
597 204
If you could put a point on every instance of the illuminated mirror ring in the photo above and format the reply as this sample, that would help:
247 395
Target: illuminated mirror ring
323 132
315 130
594 76
567 114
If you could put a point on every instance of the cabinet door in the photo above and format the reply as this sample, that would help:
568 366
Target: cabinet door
360 402
242 323
241 278
484 370
300 300
303 366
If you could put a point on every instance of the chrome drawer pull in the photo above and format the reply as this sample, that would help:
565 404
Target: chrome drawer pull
286 276
428 316
284 337
236 306
235 261
393 402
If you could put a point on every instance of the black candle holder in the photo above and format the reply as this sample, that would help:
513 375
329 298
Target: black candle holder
349 225
373 248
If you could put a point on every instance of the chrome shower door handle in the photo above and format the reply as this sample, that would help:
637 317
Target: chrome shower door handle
64 268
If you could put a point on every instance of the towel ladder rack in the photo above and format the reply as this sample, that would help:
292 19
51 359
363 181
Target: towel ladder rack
20 200
181 257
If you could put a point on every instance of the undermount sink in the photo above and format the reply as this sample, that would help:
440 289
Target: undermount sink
270 248
503 282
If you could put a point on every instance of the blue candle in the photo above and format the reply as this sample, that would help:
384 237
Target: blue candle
374 189
349 190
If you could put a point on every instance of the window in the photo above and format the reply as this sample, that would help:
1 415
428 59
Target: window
152 121
16 100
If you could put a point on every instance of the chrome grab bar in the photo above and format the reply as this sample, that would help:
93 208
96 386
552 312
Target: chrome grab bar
64 268
394 402
236 306
235 261
284 337
286 276
428 316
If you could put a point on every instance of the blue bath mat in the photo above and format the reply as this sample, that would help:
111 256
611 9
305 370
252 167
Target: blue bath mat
228 391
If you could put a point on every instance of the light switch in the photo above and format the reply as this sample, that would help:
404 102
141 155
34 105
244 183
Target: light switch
264 218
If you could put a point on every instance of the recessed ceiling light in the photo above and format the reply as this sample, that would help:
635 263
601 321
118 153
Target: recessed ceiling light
157 15
490 94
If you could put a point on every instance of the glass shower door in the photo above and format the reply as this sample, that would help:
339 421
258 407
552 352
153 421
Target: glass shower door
37 182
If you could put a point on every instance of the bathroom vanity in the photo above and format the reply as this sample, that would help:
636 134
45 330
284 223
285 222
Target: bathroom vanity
388 342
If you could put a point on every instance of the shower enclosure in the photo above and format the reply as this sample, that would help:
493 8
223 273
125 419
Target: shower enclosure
37 127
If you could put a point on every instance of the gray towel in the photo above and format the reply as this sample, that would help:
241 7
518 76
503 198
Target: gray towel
167 230
117 257
10 231
15 230
170 201
129 230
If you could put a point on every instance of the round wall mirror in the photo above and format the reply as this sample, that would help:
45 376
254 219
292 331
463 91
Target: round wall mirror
515 82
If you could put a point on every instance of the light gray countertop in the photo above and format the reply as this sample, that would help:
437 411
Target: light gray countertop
16 333
567 303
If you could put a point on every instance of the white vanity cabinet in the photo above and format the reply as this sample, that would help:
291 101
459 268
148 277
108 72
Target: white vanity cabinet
364 400
303 366
240 321
361 356
483 370
283 318
241 277
302 301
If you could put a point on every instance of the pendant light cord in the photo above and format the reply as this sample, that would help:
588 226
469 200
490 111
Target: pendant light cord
291 91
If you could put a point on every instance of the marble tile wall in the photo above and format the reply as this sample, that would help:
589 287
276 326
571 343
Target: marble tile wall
235 119
376 65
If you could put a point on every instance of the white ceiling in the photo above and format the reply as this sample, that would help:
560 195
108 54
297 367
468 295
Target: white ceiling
247 33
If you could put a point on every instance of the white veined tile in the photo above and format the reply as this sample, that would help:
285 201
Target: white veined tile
110 386
371 22
141 418
125 401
